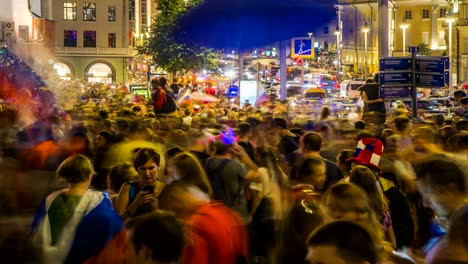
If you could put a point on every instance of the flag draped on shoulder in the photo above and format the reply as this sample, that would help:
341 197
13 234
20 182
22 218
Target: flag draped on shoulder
94 234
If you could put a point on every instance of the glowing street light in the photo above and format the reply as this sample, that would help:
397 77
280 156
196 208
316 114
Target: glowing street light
450 19
404 26
365 29
338 48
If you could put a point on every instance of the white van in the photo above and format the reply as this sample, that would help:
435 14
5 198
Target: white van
349 89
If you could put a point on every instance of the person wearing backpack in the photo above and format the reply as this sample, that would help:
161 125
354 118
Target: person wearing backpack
368 152
163 103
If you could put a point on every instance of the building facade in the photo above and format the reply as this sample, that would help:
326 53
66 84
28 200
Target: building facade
411 23
95 40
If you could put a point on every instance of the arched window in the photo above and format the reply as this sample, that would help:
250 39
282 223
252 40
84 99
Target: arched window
63 70
100 73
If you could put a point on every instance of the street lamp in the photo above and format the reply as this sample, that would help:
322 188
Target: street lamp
137 36
404 26
365 29
450 19
338 48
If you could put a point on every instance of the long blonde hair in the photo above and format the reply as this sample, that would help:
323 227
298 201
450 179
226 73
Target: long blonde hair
365 178
192 171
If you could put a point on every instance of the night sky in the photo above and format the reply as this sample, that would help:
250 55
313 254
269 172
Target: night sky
240 24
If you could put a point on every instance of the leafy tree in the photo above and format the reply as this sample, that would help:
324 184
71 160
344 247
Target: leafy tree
167 45
424 49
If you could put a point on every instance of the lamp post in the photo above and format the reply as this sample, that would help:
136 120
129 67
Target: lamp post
137 36
404 26
338 48
365 29
450 19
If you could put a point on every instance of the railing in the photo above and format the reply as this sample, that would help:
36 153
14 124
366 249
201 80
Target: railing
461 22
94 51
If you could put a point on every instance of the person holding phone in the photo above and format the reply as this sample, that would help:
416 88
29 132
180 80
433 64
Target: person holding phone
140 197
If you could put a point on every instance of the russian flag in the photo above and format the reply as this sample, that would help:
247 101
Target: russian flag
99 237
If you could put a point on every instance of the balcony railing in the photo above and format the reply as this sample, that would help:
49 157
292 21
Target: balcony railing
95 51
461 22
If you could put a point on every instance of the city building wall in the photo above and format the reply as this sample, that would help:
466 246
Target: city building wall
81 58
426 24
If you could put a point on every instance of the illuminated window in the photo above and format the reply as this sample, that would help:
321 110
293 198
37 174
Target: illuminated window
443 12
111 14
89 11
131 9
69 11
425 14
143 12
408 14
111 40
69 38
89 39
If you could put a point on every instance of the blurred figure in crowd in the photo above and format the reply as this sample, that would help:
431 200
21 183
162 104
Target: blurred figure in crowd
302 219
341 242
442 184
69 225
310 145
215 234
103 143
118 176
365 178
185 167
308 178
155 238
341 162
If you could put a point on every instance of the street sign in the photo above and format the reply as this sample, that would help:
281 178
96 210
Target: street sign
432 64
387 78
430 80
302 48
394 92
395 64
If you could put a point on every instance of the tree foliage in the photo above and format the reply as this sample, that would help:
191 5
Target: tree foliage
167 45
424 49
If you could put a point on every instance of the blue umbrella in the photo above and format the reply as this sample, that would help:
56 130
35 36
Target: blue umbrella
241 24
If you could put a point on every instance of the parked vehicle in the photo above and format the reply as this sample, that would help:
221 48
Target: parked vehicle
349 89
330 84
315 93
293 89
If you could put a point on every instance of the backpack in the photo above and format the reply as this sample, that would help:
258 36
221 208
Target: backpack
170 106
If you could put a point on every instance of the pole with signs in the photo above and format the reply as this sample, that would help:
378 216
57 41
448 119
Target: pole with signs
283 69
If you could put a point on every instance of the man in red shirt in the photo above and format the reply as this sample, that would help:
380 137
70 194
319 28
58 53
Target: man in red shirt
158 95
215 234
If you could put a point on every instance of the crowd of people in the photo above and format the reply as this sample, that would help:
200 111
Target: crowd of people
158 181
